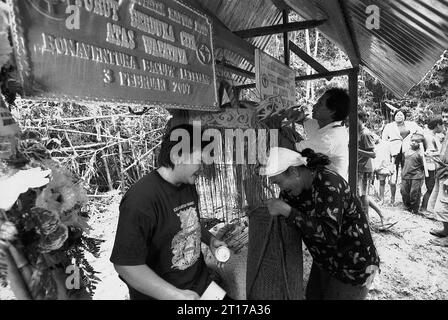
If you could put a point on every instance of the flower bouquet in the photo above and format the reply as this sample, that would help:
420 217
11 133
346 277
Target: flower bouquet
43 227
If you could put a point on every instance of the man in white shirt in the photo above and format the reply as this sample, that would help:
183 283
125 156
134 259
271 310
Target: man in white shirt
326 132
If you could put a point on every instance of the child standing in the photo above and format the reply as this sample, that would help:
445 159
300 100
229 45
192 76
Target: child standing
366 153
413 175
384 168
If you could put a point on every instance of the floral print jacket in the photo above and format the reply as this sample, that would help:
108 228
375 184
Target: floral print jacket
334 228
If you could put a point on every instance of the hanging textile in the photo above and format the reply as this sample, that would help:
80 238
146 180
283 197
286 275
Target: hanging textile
274 261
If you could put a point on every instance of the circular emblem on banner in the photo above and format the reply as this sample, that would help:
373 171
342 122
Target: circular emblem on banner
204 54
264 80
53 9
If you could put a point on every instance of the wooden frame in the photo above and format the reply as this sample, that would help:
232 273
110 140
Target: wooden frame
308 59
278 28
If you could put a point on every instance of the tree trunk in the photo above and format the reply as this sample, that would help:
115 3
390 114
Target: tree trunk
308 68
316 45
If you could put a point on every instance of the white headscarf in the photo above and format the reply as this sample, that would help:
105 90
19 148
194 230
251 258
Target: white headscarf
280 159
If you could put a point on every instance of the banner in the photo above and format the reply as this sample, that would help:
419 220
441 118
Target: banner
274 79
133 52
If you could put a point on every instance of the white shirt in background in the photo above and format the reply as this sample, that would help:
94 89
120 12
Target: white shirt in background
433 147
382 163
331 140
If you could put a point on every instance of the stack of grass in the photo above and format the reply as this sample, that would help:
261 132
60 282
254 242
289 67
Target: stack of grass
107 147
227 189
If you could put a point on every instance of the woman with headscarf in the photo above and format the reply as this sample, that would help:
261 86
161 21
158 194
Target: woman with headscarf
398 134
320 204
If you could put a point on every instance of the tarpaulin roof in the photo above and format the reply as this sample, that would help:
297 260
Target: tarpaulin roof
412 34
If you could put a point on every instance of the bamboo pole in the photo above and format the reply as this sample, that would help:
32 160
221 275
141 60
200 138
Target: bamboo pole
99 195
137 165
81 119
106 168
103 152
141 157
85 146
122 171
78 132
70 143
97 129
105 147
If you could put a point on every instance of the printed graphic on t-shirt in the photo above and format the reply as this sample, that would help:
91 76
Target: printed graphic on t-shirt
186 244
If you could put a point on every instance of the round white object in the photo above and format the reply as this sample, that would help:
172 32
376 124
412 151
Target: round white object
222 254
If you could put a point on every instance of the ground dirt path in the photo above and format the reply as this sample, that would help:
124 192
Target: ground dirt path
411 267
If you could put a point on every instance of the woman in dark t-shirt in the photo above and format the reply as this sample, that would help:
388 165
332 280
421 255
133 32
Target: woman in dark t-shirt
333 225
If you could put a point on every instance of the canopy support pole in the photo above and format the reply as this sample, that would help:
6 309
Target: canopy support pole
287 54
278 28
353 128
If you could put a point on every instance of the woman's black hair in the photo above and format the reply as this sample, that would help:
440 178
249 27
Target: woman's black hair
164 157
403 111
363 116
434 121
315 161
338 101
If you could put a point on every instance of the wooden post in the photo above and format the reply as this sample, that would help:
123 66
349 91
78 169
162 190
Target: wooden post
353 128
286 38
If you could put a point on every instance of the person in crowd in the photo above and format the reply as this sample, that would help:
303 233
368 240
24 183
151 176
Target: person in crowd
413 175
433 146
319 203
398 134
326 133
444 115
383 166
157 249
366 152
438 202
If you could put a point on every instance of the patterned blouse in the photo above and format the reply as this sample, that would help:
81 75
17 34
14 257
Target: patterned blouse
334 228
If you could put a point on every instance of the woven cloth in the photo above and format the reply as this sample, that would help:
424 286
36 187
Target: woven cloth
269 283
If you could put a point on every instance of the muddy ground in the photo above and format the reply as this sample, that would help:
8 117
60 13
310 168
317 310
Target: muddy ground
411 267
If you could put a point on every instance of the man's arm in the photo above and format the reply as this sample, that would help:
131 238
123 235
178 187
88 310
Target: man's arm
370 154
146 281
206 236
385 133
209 239
212 242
